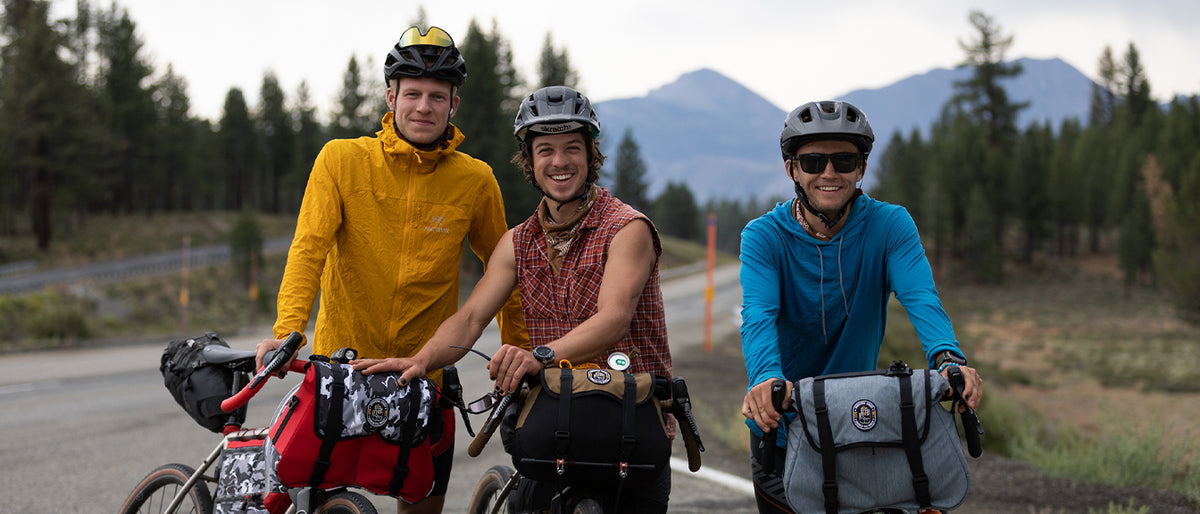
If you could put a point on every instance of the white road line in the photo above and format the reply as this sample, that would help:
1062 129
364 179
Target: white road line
715 476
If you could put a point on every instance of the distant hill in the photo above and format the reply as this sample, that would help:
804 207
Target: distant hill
721 138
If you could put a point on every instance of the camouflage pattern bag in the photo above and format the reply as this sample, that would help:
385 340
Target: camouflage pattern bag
243 486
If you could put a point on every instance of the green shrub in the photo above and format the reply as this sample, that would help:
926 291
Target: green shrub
1122 455
1129 508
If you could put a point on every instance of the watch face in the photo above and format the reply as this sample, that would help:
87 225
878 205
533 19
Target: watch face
543 353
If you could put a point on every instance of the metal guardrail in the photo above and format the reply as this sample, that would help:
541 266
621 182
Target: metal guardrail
142 265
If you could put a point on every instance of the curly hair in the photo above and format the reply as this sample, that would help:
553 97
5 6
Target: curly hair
524 158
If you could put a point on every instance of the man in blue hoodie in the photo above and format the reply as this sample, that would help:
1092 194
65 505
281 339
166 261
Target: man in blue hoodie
817 273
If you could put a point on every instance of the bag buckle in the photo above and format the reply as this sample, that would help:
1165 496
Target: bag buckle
624 469
559 465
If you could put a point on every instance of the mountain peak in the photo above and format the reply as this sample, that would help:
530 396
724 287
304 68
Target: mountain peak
707 90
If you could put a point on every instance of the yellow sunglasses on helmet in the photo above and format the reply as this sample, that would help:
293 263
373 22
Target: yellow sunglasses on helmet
434 37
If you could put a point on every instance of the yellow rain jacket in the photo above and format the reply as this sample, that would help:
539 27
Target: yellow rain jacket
380 232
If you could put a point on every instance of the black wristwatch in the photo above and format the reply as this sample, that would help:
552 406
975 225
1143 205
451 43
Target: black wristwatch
544 355
946 356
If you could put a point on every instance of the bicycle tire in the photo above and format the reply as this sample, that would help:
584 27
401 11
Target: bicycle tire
346 502
155 492
487 491
588 506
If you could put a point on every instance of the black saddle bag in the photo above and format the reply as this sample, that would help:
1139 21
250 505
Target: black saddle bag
197 385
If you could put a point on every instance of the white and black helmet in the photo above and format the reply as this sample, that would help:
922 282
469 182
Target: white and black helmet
825 120
555 110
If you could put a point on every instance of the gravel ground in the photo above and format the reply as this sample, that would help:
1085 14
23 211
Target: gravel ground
717 383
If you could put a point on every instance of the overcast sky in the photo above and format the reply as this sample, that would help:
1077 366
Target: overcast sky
789 51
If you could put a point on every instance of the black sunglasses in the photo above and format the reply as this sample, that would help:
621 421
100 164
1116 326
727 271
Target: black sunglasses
814 163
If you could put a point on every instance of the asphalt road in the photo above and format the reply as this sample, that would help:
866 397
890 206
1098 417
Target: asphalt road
78 429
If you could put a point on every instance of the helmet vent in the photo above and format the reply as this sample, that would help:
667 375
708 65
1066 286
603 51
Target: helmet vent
806 116
851 115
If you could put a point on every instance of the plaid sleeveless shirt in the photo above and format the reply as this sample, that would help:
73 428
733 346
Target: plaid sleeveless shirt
554 303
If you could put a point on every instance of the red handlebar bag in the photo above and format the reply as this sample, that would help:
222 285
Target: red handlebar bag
342 428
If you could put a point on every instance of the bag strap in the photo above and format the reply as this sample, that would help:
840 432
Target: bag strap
828 453
562 436
912 444
628 425
332 421
400 471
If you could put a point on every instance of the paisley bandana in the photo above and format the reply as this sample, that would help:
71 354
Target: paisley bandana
560 234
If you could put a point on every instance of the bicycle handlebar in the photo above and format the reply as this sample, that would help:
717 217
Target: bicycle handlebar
275 362
680 406
767 443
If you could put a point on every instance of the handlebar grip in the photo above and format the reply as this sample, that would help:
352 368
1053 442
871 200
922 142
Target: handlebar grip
693 449
283 355
972 429
489 426
767 444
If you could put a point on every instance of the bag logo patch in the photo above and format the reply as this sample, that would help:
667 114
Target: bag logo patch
377 413
598 376
864 414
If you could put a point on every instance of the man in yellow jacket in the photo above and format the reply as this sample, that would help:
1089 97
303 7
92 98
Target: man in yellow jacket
381 226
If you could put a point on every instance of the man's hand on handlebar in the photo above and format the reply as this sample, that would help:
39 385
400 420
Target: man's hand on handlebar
973 385
510 364
268 345
757 405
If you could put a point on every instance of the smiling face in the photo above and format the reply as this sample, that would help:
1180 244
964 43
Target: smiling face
827 191
560 165
423 107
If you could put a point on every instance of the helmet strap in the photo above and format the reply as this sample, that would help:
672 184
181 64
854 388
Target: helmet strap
829 223
425 147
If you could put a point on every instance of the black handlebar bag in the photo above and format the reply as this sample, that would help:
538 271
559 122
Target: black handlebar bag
591 426
873 440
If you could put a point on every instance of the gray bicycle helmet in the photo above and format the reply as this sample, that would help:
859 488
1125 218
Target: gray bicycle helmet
825 120
555 110
428 54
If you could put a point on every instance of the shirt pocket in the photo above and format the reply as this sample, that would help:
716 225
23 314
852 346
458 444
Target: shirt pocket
435 243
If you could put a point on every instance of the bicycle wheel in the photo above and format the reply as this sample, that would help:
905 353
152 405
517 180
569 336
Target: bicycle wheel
346 502
487 493
156 491
588 506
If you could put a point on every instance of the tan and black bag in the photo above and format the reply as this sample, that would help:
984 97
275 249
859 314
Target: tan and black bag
610 427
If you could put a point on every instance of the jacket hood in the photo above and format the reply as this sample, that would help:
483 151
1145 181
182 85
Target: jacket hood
781 215
394 145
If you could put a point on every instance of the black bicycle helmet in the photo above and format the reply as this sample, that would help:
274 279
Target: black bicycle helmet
428 54
555 110
825 120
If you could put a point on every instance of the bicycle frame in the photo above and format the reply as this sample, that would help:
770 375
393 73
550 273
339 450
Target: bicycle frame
213 457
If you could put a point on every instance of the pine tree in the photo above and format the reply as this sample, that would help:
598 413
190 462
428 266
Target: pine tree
129 111
1104 91
676 214
174 138
278 135
554 68
39 108
310 137
237 144
353 118
485 116
629 174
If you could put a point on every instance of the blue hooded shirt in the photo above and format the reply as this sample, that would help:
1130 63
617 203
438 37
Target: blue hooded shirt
799 292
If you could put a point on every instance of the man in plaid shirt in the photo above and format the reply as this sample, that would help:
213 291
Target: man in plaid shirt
586 265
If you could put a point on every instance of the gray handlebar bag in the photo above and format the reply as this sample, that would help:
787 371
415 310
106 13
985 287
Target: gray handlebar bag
857 444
